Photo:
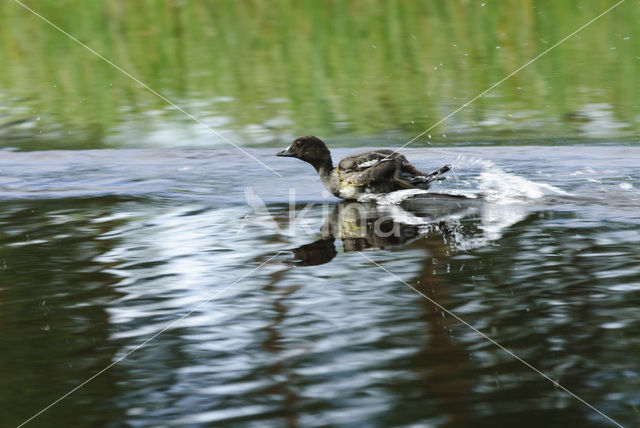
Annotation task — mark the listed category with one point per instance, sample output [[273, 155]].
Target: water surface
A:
[[100, 250]]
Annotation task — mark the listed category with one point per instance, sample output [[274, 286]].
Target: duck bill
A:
[[286, 154]]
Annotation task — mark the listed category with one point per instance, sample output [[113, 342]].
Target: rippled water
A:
[[291, 322]]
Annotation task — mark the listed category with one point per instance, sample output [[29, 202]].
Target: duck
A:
[[376, 171]]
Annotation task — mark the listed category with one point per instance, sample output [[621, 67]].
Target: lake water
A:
[[153, 275], [103, 249]]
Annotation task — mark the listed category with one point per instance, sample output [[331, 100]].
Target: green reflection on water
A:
[[269, 70]]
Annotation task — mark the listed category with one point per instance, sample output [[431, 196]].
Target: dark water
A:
[[100, 250]]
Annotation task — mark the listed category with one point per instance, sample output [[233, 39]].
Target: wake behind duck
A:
[[373, 172]]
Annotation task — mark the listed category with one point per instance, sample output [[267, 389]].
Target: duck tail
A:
[[436, 175], [424, 181]]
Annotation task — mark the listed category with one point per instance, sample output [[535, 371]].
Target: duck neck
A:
[[323, 167], [328, 175]]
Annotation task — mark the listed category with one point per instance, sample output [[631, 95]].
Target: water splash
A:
[[500, 187], [477, 178]]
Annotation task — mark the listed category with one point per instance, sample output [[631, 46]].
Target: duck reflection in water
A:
[[368, 226]]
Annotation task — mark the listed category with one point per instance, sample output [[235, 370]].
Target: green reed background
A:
[[263, 71]]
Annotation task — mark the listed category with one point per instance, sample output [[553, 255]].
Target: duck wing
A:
[[370, 167], [386, 165], [362, 161]]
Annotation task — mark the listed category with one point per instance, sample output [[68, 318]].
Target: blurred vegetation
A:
[[266, 70]]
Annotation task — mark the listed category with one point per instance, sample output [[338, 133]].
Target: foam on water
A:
[[393, 198], [500, 187]]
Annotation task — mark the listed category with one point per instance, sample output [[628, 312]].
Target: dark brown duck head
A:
[[309, 149]]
